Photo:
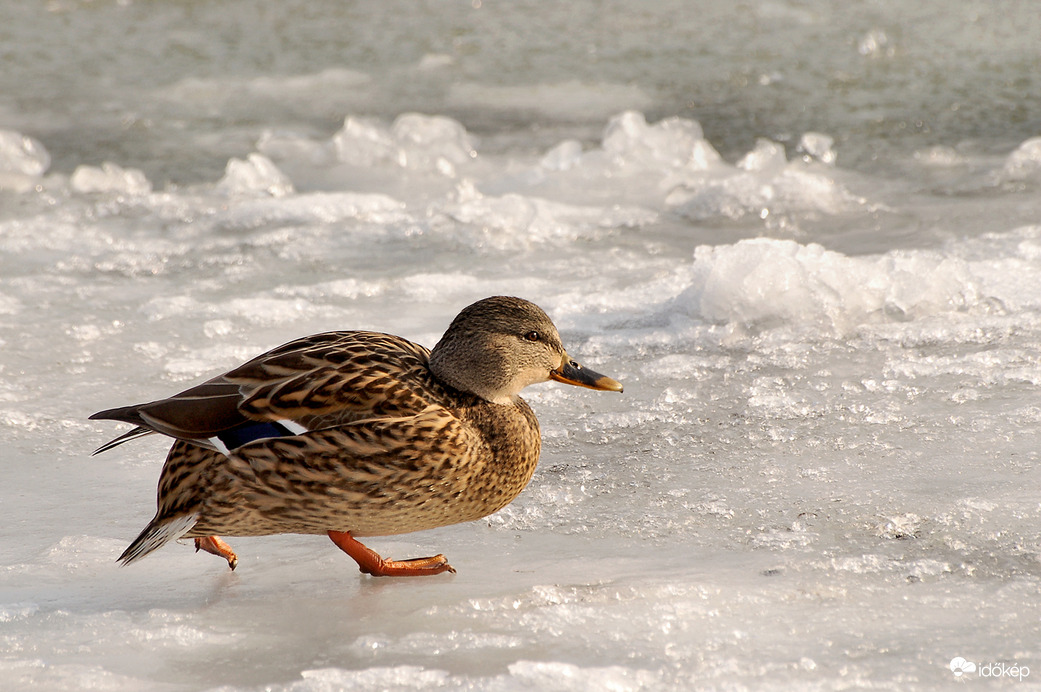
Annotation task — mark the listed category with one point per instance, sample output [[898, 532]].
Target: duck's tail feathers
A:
[[158, 533], [125, 437]]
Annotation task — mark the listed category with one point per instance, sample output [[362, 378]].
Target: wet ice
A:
[[822, 473]]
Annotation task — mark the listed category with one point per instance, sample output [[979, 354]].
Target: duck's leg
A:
[[370, 562], [213, 544]]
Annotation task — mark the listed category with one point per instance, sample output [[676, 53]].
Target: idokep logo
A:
[[965, 669]]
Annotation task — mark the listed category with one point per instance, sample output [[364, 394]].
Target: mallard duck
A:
[[356, 433]]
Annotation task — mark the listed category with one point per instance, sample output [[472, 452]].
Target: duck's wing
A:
[[307, 384], [373, 477], [377, 445]]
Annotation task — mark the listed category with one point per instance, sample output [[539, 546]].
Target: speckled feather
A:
[[372, 477]]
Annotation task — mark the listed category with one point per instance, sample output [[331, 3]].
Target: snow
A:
[[110, 177], [814, 264]]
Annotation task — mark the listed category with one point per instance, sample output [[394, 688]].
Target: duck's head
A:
[[498, 346]]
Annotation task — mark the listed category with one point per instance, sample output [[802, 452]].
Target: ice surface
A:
[[565, 100], [814, 262]]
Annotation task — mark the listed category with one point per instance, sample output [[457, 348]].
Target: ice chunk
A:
[[109, 177], [10, 612], [815, 146], [23, 155], [763, 192], [939, 156], [22, 161], [767, 157], [766, 185], [762, 283], [565, 155], [636, 162], [875, 44], [257, 175], [426, 138], [673, 142], [523, 221], [900, 526], [1024, 162], [364, 142], [671, 162], [414, 141], [290, 145]]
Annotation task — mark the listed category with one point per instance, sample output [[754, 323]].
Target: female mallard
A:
[[357, 434]]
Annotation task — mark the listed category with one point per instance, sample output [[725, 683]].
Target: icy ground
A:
[[807, 240]]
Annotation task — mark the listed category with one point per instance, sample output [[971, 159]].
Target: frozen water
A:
[[807, 237], [1024, 161], [22, 161], [256, 175], [109, 177]]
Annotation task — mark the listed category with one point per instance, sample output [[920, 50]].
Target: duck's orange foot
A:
[[214, 545], [370, 562]]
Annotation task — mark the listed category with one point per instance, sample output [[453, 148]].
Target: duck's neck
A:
[[489, 380]]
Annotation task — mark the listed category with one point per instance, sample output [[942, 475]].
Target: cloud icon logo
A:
[[959, 666]]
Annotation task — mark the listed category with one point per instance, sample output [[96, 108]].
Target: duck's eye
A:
[[532, 336]]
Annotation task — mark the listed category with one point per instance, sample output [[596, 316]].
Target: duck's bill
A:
[[573, 373]]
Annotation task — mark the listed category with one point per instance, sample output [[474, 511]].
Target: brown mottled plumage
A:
[[357, 434]]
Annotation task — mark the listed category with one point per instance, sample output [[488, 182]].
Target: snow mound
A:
[[22, 161], [109, 178], [413, 141], [763, 283], [256, 176]]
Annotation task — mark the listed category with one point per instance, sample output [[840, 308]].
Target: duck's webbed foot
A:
[[370, 562], [214, 545]]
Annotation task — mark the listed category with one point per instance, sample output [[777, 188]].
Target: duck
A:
[[356, 434]]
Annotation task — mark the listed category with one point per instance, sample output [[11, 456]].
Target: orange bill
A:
[[570, 372]]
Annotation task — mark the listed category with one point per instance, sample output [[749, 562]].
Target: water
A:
[[807, 239]]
